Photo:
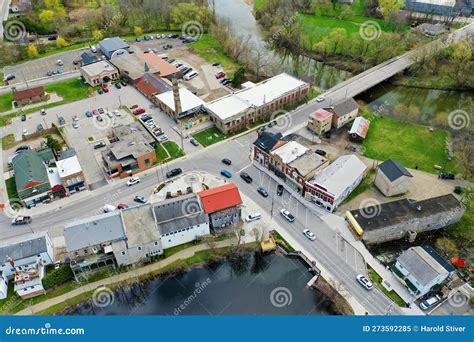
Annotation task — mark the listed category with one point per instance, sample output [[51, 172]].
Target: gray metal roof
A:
[[345, 106], [70, 152], [94, 231], [113, 44], [267, 140], [22, 249], [394, 170]]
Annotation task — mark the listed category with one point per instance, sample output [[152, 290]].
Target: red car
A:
[[138, 111], [95, 112], [105, 89], [122, 206], [134, 106], [220, 75]]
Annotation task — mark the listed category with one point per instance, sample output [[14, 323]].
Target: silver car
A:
[[362, 279]]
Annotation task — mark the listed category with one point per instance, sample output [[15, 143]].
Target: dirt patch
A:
[[338, 302]]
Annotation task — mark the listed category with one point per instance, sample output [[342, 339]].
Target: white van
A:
[[253, 217], [109, 208], [190, 76], [93, 49]]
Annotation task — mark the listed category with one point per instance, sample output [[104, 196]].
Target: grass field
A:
[[6, 102], [173, 149], [412, 145], [11, 188], [377, 279], [209, 136]]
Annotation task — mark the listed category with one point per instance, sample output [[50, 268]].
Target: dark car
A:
[[262, 191], [174, 172], [447, 176], [9, 77], [39, 127], [328, 134], [53, 37], [88, 114], [99, 118], [226, 174], [186, 71], [216, 64], [226, 161], [279, 190], [321, 152], [194, 142], [117, 85], [245, 176], [22, 148], [61, 120], [123, 83], [23, 117], [100, 91]]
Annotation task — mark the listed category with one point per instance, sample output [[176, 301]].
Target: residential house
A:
[[98, 73], [359, 129], [222, 204], [392, 179], [29, 95], [421, 268], [70, 172], [265, 143], [114, 47], [404, 218], [319, 122], [344, 111], [330, 187]]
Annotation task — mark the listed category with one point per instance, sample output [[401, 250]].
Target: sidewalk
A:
[[189, 252]]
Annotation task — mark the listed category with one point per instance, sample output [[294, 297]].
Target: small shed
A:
[[392, 178]]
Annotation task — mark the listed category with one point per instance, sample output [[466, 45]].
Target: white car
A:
[[362, 279], [253, 217], [133, 180], [190, 76], [25, 132], [286, 214], [108, 208], [110, 115], [93, 49], [117, 113], [59, 62], [430, 302], [162, 138], [309, 234], [75, 125], [320, 98]]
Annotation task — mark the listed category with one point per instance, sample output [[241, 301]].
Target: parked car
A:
[[75, 125], [286, 214], [101, 110], [43, 111], [20, 220], [93, 49], [22, 148], [320, 98], [226, 161], [23, 117], [61, 120], [140, 199], [190, 76], [226, 82], [134, 106], [362, 279], [327, 135], [245, 176], [321, 152], [309, 234], [9, 77], [174, 172], [216, 64], [430, 302], [162, 138], [194, 142], [447, 176], [117, 85], [220, 75], [108, 208], [226, 174], [100, 91], [253, 217], [262, 191], [75, 118], [105, 89], [133, 180], [49, 73], [59, 62], [123, 83], [145, 117], [110, 115], [95, 112], [279, 189], [98, 145], [117, 113], [88, 114], [138, 111], [187, 70], [122, 206], [99, 118], [39, 127]]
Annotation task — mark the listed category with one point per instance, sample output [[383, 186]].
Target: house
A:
[[319, 122], [150, 85], [23, 260], [190, 103], [404, 218], [256, 102], [31, 175], [359, 129], [222, 204], [88, 58], [392, 179], [70, 172], [29, 95], [440, 7], [3, 286], [420, 269], [264, 144], [296, 164], [180, 220], [114, 47], [343, 111], [98, 73], [330, 187]]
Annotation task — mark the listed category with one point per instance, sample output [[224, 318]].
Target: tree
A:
[[97, 35], [390, 7], [32, 51], [53, 143], [46, 18], [239, 77], [61, 42], [138, 31], [187, 12]]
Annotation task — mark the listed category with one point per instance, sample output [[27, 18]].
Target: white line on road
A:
[[245, 167]]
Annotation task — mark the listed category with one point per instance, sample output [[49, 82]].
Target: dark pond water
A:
[[255, 285]]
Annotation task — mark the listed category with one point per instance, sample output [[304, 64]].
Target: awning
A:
[[353, 223]]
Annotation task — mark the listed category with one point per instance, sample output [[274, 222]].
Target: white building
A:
[[98, 73], [331, 186], [3, 286], [190, 103]]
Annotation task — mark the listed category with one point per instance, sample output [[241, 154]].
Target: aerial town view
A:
[[215, 158]]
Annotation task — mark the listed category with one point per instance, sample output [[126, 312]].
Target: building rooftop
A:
[[360, 127], [267, 140], [189, 101], [321, 114], [22, 247], [290, 151], [308, 163], [404, 210], [157, 63], [133, 66], [393, 170], [140, 226], [448, 3], [68, 166], [94, 231], [113, 44], [219, 198], [344, 106], [150, 85], [97, 68], [228, 106], [30, 170], [133, 130], [341, 174], [424, 264], [88, 58], [129, 146], [28, 93]]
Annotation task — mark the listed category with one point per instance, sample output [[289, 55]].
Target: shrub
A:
[[57, 277]]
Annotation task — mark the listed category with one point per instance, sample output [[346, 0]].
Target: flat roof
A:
[[133, 66], [227, 106], [341, 174], [97, 68], [308, 162], [140, 226], [129, 147], [68, 166], [321, 114], [189, 101], [289, 152], [448, 3]]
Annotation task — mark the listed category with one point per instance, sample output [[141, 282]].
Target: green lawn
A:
[[209, 136], [11, 188], [412, 145], [6, 102], [377, 279], [173, 149], [463, 232]]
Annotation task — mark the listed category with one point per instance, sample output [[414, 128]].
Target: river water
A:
[[258, 285]]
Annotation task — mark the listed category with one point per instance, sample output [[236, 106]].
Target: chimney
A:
[[177, 100]]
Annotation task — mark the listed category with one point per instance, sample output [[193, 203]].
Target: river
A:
[[259, 285]]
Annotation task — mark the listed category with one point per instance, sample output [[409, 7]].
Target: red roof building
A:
[[29, 95], [220, 198]]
